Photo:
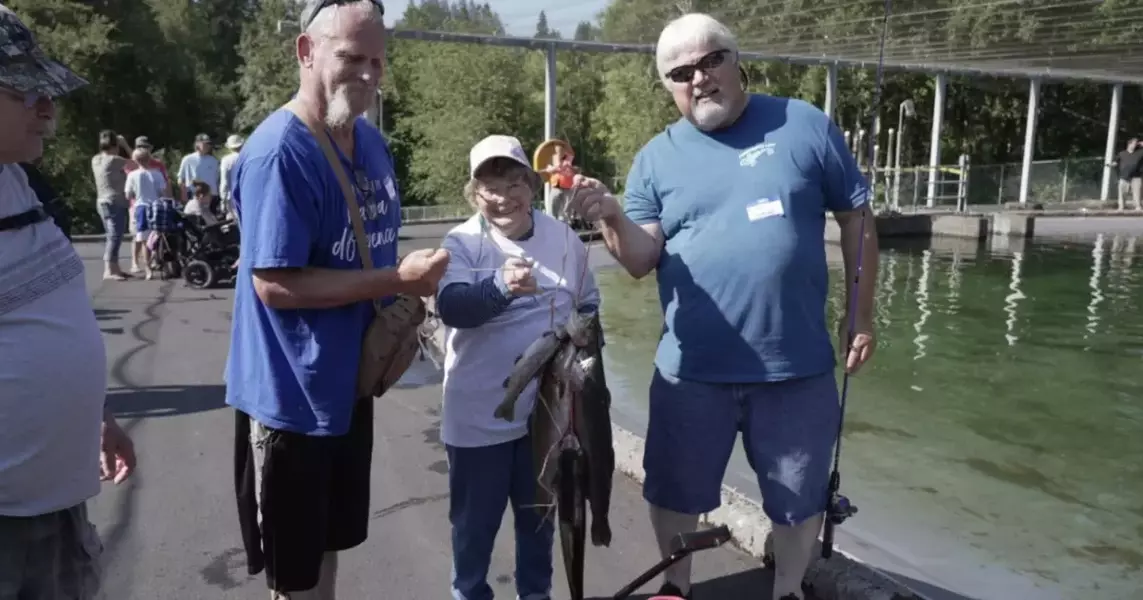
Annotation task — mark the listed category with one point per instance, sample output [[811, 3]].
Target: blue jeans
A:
[[115, 225], [788, 431], [481, 482]]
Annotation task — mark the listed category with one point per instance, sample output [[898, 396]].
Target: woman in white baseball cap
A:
[[513, 274]]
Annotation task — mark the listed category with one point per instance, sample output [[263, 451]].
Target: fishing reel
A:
[[839, 509]]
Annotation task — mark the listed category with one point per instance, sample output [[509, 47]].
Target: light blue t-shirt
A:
[[743, 278], [297, 369], [203, 167]]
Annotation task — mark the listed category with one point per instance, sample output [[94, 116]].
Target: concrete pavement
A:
[[171, 532]]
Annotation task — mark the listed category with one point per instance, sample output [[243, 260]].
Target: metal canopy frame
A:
[[1052, 69], [1036, 77], [1044, 73]]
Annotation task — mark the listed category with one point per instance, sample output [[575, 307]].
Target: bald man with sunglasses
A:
[[728, 207]]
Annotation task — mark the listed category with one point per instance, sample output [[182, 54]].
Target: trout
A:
[[572, 449]]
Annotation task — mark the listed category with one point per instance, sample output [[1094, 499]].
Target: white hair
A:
[[140, 154], [691, 32], [325, 20], [339, 113]]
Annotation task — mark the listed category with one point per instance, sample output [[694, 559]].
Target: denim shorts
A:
[[788, 431], [50, 557]]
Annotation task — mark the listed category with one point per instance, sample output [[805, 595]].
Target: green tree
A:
[[268, 69]]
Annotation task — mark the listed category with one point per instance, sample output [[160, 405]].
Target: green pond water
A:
[[994, 444]]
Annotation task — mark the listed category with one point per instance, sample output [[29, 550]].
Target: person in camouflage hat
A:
[[24, 65], [59, 439], [27, 75]]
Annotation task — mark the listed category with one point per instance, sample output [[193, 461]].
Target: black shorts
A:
[[314, 498]]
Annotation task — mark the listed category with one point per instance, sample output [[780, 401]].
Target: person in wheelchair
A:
[[200, 204], [213, 231]]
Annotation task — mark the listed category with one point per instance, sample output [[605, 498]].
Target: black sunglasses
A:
[[686, 73], [307, 19]]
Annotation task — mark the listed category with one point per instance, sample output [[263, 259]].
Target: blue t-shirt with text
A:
[[742, 278], [296, 370]]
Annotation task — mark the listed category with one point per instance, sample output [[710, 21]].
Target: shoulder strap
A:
[[347, 192]]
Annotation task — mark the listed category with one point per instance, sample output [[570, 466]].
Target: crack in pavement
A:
[[402, 505]]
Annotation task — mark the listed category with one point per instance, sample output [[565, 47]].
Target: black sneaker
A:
[[670, 589], [788, 597]]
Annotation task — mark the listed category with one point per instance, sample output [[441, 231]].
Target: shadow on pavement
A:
[[109, 314], [165, 401], [746, 585]]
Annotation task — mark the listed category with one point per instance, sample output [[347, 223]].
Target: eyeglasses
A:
[[515, 190], [686, 73], [326, 3], [29, 99]]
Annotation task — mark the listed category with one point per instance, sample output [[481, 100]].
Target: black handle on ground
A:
[[684, 545]]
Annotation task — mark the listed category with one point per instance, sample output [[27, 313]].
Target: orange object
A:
[[544, 159]]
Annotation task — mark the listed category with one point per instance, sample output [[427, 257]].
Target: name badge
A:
[[764, 208]]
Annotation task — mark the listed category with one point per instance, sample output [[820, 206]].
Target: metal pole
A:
[[1064, 186], [831, 91], [897, 160], [373, 113], [1029, 139], [962, 184], [1000, 186], [1112, 132], [549, 112], [935, 140], [891, 139], [875, 168]]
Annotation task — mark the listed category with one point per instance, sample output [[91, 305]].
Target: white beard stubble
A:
[[339, 113]]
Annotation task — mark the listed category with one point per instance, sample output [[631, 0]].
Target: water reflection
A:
[[910, 269], [1011, 301], [955, 266], [922, 304], [1094, 284], [992, 426]]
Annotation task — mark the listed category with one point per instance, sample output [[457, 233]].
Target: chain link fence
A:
[[1064, 183]]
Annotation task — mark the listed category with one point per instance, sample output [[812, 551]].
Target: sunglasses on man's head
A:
[[686, 73], [327, 3]]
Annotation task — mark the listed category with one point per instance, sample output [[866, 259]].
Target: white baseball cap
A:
[[496, 146]]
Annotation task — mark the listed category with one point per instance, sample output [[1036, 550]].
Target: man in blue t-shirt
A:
[[728, 205], [303, 301]]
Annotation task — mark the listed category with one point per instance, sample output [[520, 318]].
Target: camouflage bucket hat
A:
[[23, 65]]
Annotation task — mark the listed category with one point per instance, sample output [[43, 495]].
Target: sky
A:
[[519, 16]]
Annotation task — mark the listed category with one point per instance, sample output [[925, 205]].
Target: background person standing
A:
[[200, 165], [109, 168], [144, 143], [226, 178], [1129, 164]]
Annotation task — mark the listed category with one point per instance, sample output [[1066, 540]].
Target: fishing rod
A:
[[838, 507]]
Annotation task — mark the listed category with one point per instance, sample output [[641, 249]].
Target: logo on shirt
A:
[[373, 205], [749, 157]]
